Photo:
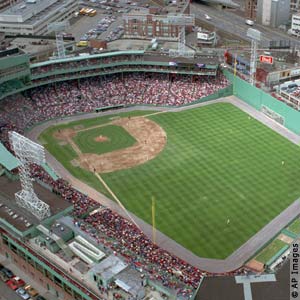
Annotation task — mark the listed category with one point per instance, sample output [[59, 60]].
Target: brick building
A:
[[250, 9], [149, 26], [4, 3]]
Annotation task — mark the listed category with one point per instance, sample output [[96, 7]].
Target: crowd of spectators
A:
[[112, 230], [71, 97]]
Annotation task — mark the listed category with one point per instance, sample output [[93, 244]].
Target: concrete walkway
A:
[[237, 258], [247, 280]]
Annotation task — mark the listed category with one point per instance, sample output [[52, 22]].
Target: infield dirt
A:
[[150, 141]]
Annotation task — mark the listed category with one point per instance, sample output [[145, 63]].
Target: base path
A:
[[237, 258], [150, 141]]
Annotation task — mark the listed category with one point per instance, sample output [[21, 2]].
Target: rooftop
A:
[[130, 281], [31, 13], [109, 267], [7, 159], [25, 9], [19, 217], [10, 52]]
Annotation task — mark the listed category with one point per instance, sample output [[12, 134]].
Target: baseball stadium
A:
[[151, 175]]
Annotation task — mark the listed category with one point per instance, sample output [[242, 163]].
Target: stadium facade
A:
[[83, 66]]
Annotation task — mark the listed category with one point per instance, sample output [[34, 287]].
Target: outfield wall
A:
[[258, 98]]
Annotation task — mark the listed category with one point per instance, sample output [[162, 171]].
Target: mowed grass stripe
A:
[[218, 165], [295, 227]]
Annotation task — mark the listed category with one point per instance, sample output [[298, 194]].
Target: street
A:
[[7, 293], [235, 24]]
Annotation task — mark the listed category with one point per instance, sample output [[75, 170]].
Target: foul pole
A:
[[153, 222]]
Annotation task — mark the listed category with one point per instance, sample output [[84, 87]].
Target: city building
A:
[[295, 26], [4, 3], [156, 24], [32, 17], [206, 37], [150, 26], [250, 9], [295, 5], [273, 12]]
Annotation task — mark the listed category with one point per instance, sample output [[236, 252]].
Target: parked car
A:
[[30, 290], [15, 283], [249, 22], [22, 293], [40, 298], [7, 272], [3, 276]]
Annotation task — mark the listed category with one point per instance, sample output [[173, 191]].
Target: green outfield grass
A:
[[118, 138], [270, 251], [218, 181], [295, 227]]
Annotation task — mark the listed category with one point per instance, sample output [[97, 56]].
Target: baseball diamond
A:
[[217, 181]]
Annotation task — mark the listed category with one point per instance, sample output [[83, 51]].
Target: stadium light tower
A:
[[182, 21], [255, 37], [28, 152], [58, 28]]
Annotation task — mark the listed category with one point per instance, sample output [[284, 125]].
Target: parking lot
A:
[[102, 26], [107, 24], [7, 293], [83, 24]]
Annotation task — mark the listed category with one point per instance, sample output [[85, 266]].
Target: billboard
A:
[[266, 59], [295, 72]]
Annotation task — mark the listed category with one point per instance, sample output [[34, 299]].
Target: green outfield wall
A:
[[257, 98]]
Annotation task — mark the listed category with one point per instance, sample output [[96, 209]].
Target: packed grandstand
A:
[[70, 97]]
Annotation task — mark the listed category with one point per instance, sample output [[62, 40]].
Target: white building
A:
[[273, 12], [31, 17], [206, 37], [295, 29]]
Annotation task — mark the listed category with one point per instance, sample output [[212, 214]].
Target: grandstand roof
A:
[[211, 62], [82, 57], [7, 160]]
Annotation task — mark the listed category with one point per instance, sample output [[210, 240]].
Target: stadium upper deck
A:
[[105, 63]]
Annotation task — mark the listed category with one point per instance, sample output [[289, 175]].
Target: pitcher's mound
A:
[[101, 138]]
